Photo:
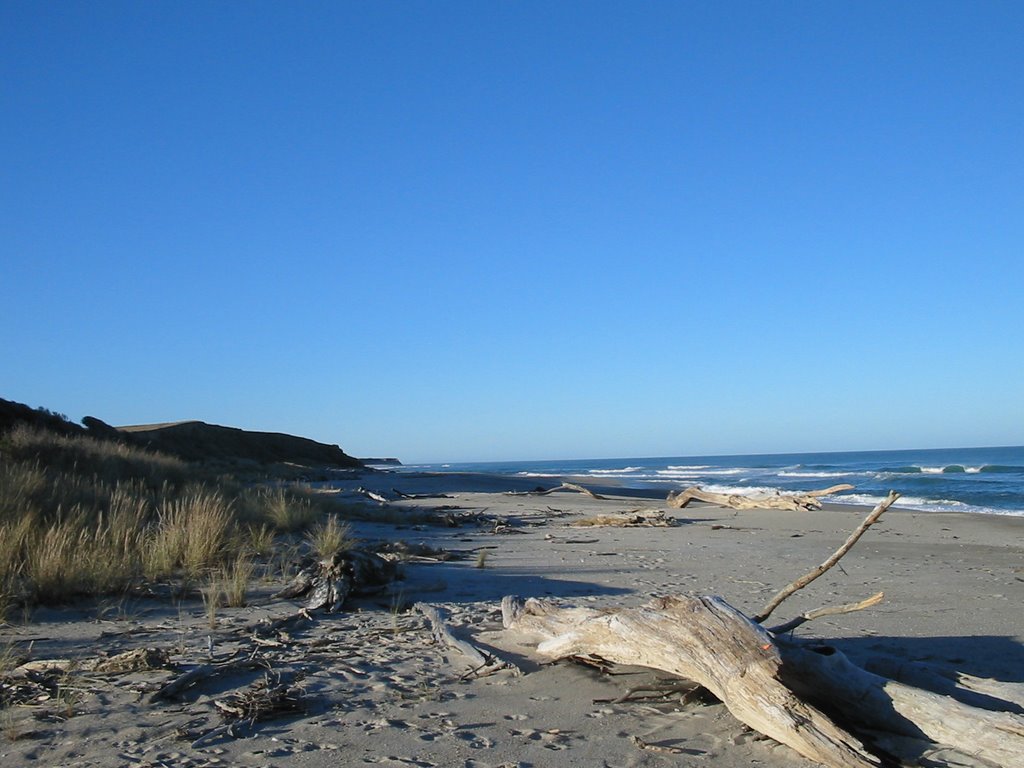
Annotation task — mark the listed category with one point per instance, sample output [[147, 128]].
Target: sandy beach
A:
[[372, 686]]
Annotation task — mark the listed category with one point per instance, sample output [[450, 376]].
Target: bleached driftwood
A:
[[418, 496], [776, 686], [638, 518], [562, 487], [480, 663], [380, 498], [701, 639], [800, 502]]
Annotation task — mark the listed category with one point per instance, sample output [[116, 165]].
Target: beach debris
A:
[[417, 496], [377, 496], [562, 487], [481, 663], [135, 660], [405, 552], [783, 687], [799, 502], [641, 744], [29, 686], [201, 673], [327, 583], [637, 518], [272, 696]]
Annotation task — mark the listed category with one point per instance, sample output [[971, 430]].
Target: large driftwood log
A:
[[800, 502], [823, 674], [702, 639], [776, 686]]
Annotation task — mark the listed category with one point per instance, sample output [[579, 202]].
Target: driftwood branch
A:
[[834, 558], [178, 685], [801, 502], [562, 487], [829, 610], [372, 495], [481, 663], [417, 496]]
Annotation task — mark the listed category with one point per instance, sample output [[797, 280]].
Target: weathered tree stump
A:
[[328, 583]]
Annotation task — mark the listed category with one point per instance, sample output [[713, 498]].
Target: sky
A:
[[456, 231]]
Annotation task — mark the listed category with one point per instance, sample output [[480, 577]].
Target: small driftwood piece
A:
[[562, 487], [328, 583], [828, 610], [380, 498], [417, 496], [134, 660], [799, 502], [481, 664], [653, 518]]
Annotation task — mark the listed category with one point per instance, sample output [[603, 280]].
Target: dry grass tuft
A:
[[329, 538]]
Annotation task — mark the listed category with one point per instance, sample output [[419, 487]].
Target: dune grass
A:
[[328, 538], [82, 516]]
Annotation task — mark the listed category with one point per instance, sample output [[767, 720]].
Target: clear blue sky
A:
[[501, 230]]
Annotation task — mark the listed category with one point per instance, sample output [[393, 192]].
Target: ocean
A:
[[982, 480]]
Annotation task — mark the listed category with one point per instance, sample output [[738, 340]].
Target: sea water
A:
[[984, 480]]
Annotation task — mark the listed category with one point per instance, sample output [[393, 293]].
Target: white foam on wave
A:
[[623, 471], [685, 467], [536, 474], [686, 472], [921, 504], [802, 473]]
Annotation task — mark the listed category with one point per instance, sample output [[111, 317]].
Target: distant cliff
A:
[[199, 441], [190, 440], [389, 462]]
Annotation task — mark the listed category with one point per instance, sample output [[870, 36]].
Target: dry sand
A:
[[376, 688]]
